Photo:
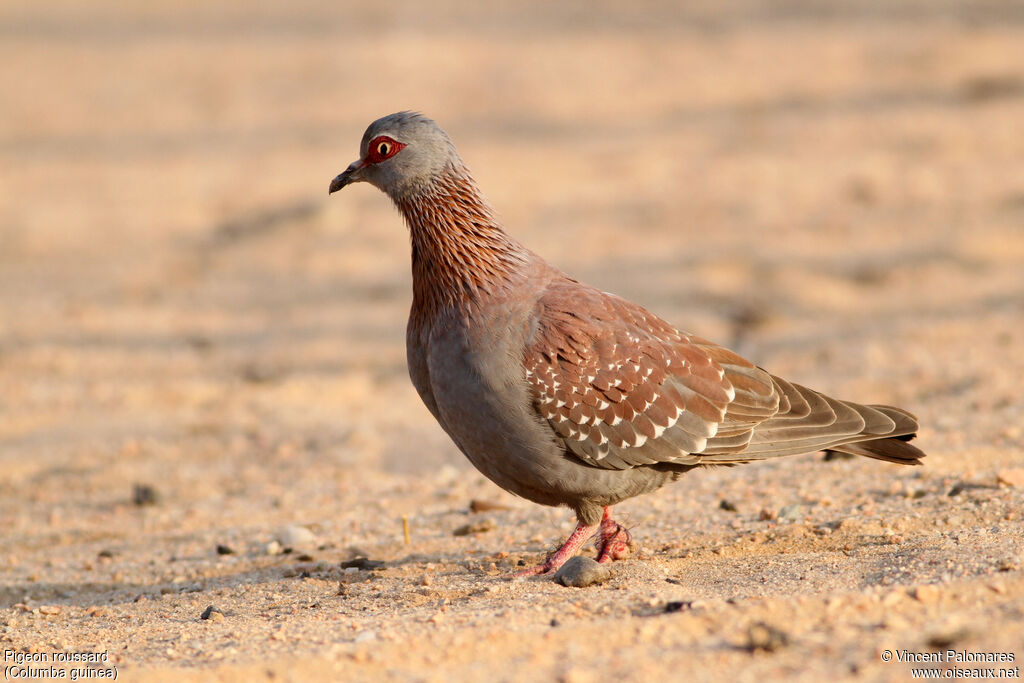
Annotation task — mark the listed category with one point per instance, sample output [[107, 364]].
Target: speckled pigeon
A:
[[567, 395]]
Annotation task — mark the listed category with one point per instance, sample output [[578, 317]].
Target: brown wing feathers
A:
[[623, 388]]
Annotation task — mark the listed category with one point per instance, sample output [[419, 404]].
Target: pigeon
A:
[[566, 395]]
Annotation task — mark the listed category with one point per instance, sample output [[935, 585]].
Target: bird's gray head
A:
[[400, 154]]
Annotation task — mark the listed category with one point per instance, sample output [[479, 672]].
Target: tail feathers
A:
[[892, 449], [808, 421]]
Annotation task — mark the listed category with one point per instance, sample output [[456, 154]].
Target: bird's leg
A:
[[572, 545], [614, 542]]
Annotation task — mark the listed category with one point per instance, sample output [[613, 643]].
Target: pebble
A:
[[926, 593], [762, 636], [790, 513], [272, 548], [726, 505], [362, 563], [144, 494], [1012, 477], [580, 572], [480, 527], [224, 549], [295, 536], [947, 635], [476, 506], [366, 637], [1007, 564], [212, 613]]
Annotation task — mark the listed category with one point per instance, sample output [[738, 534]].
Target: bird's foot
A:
[[614, 542], [555, 560]]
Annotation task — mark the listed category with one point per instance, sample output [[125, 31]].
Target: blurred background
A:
[[836, 189]]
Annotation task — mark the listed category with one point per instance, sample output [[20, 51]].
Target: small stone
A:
[[49, 609], [762, 636], [224, 549], [726, 505], [1007, 564], [273, 548], [212, 613], [295, 536], [926, 593], [790, 513], [1011, 477], [362, 563], [766, 515], [477, 506], [580, 572], [947, 636], [144, 494], [479, 527], [957, 489], [366, 637]]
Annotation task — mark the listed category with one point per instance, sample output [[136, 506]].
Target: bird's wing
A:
[[621, 387]]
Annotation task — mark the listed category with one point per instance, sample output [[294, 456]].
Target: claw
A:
[[572, 545], [614, 542]]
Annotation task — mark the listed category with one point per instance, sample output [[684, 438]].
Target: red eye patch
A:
[[381, 148]]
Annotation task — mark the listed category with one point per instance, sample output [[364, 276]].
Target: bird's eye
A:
[[382, 148]]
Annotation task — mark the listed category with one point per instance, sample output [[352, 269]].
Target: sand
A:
[[199, 349]]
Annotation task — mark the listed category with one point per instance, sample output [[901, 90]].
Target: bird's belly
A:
[[482, 401]]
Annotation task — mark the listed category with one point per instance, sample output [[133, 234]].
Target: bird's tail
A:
[[892, 448], [808, 421]]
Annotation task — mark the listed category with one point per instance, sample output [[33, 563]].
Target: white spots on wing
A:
[[601, 405], [559, 403]]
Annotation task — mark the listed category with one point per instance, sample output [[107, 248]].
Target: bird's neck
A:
[[460, 255]]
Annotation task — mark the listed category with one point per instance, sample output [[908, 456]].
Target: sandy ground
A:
[[834, 189]]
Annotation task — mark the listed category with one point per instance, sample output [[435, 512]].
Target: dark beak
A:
[[349, 176]]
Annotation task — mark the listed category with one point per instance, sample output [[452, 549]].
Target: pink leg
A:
[[614, 542], [572, 545]]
